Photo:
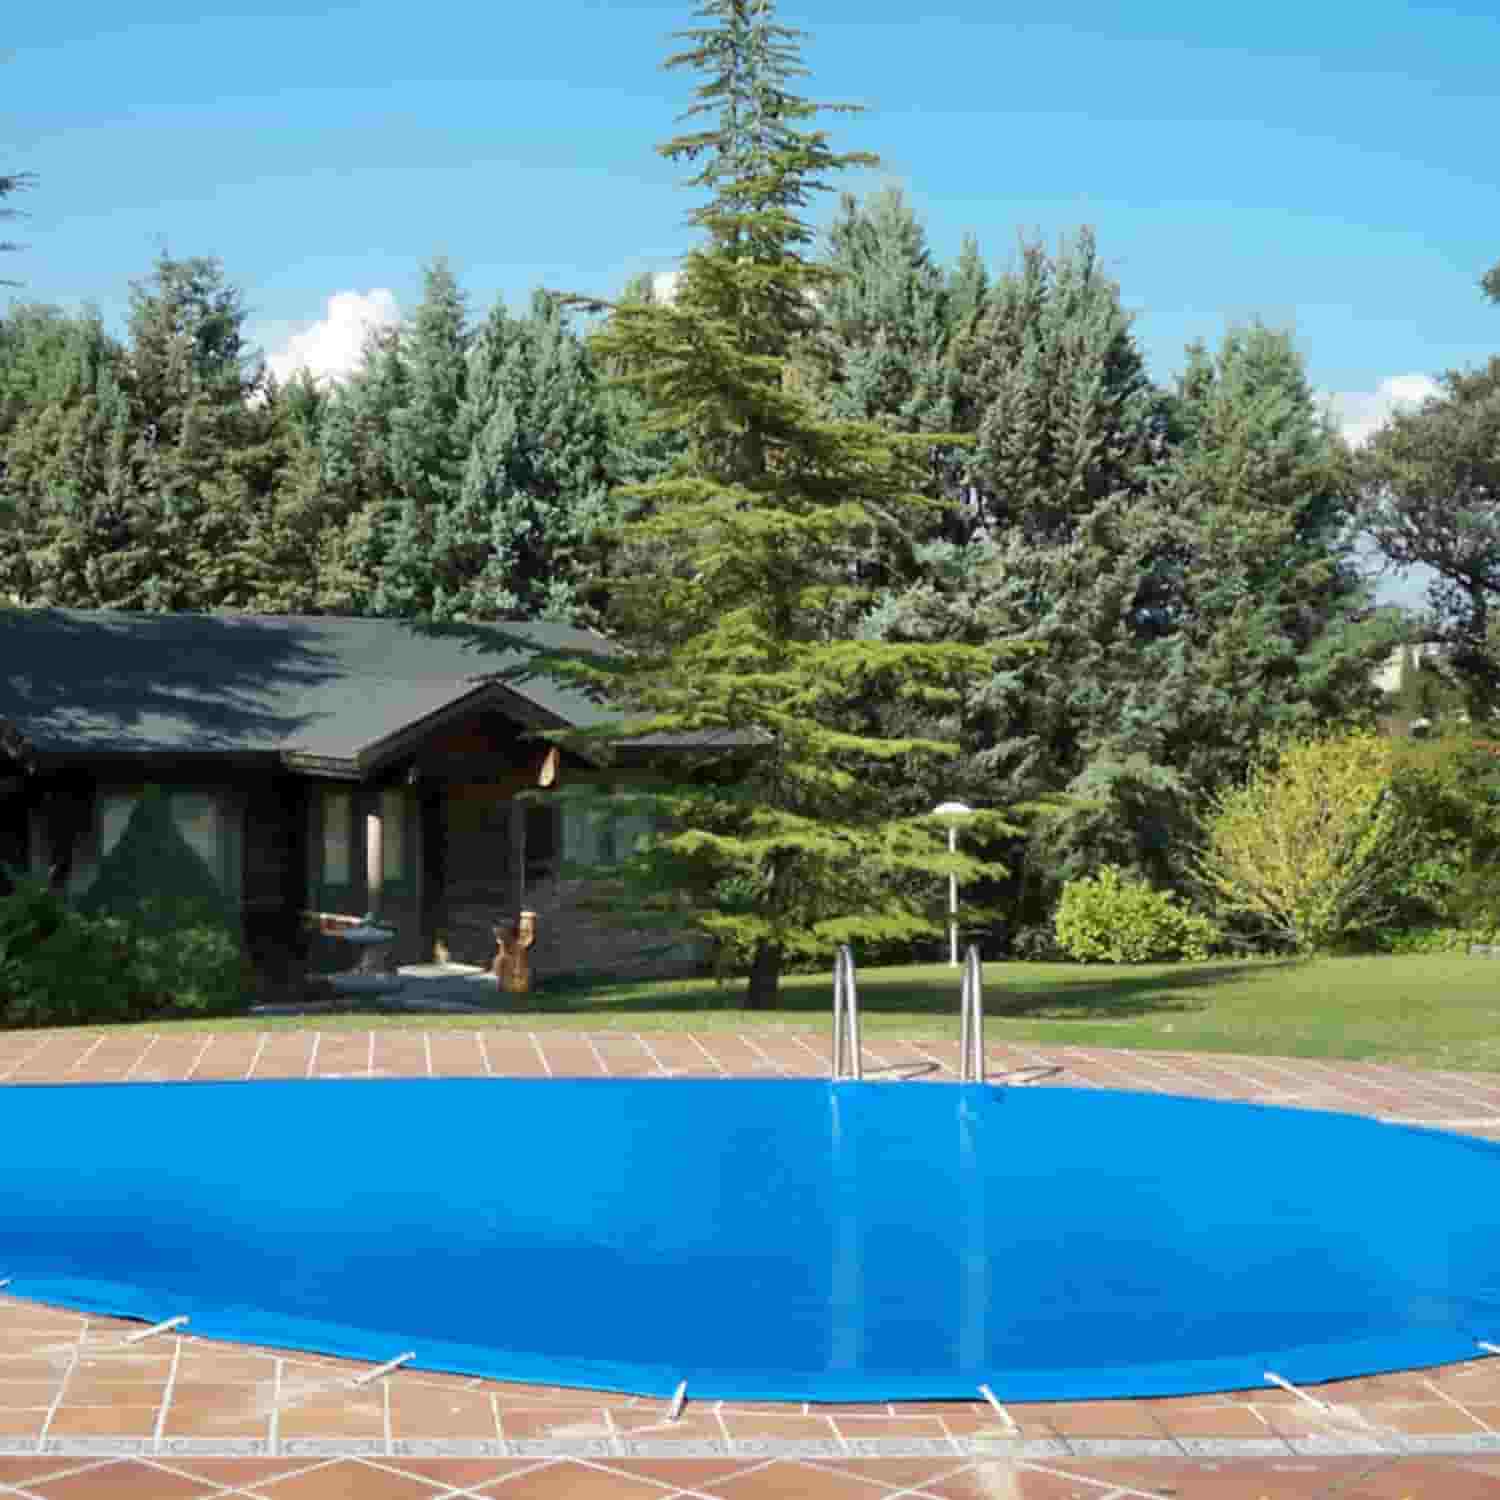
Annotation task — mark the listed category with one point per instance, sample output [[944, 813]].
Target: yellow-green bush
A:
[[1313, 846], [1111, 918]]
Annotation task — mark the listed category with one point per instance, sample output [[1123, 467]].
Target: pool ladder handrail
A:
[[971, 1023], [846, 1054]]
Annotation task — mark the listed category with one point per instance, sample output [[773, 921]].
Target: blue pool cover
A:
[[761, 1239]]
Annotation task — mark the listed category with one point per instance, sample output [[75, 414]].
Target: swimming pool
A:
[[794, 1240]]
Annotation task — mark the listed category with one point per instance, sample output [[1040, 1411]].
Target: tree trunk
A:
[[765, 977]]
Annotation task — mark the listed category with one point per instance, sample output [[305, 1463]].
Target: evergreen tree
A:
[[535, 485], [428, 447], [64, 422], [640, 453], [884, 324], [762, 515], [882, 356], [355, 464], [172, 529], [1260, 622], [152, 476], [1059, 466], [968, 287]]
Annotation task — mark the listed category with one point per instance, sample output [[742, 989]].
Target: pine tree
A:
[[355, 464], [762, 516], [535, 484], [63, 419], [428, 447], [884, 324], [174, 526], [1061, 554], [640, 452], [968, 287], [1262, 613]]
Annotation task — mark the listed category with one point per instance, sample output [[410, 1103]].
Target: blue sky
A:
[[1328, 168]]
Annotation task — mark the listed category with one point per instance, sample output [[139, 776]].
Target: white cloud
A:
[[1360, 413], [330, 348], [664, 286]]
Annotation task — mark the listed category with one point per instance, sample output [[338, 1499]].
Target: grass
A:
[[1431, 1011]]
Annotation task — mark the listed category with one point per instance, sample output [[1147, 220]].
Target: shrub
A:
[[1450, 788], [195, 970], [60, 967], [1111, 918], [1313, 845], [1430, 939], [186, 942], [1036, 944]]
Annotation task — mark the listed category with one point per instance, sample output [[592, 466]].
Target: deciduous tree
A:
[[1311, 845], [1432, 496]]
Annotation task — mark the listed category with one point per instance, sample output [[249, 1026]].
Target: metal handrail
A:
[[971, 1025], [846, 1054]]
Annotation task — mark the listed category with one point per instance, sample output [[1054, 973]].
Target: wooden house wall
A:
[[274, 875], [15, 828]]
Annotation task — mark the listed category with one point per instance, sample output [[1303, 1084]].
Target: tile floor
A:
[[94, 1407]]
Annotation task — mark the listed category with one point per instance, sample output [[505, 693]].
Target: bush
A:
[[1110, 918], [1430, 939], [1314, 845], [59, 967], [1450, 788], [193, 970], [1036, 944], [185, 934]]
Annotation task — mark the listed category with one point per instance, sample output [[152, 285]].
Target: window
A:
[[541, 838], [200, 816], [392, 833], [115, 808], [338, 816], [599, 832], [196, 817], [606, 852]]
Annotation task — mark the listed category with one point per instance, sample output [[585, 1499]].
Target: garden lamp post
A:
[[952, 811]]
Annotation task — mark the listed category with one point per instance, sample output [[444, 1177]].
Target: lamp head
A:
[[952, 810]]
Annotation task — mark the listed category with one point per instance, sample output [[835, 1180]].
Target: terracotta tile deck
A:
[[85, 1415]]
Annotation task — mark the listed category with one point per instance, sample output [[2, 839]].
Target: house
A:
[[1419, 695], [326, 764]]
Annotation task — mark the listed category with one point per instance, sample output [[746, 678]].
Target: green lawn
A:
[[1426, 1011]]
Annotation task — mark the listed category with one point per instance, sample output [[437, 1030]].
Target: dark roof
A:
[[315, 692]]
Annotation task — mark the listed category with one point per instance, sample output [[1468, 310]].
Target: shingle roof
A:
[[303, 688]]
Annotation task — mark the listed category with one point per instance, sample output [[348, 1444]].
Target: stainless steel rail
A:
[[846, 1056], [847, 1062], [971, 1026]]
